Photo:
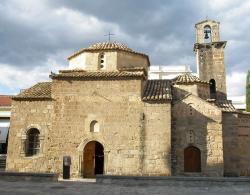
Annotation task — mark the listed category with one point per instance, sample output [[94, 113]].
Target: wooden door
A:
[[93, 159], [89, 160], [192, 159]]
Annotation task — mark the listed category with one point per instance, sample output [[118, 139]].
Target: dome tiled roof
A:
[[109, 45], [188, 78], [106, 46]]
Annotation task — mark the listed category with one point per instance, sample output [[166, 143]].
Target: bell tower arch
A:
[[209, 52]]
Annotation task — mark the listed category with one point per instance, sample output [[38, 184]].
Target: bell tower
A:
[[210, 57]]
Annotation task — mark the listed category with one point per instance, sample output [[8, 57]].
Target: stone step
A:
[[172, 180], [27, 176]]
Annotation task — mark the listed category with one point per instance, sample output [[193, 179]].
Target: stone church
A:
[[111, 119]]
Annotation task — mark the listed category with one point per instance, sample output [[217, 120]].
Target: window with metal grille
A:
[[32, 142]]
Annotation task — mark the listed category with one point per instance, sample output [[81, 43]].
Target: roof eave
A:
[[32, 98], [98, 50]]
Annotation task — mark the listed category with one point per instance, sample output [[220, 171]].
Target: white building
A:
[[239, 102], [167, 72], [172, 71], [5, 110]]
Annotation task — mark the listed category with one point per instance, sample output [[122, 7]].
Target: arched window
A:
[[94, 126], [102, 62], [32, 142], [192, 159], [212, 88], [207, 34]]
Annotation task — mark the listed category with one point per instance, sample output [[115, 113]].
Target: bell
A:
[[206, 35]]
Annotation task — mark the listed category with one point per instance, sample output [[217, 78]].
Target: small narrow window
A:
[[102, 61], [94, 126], [190, 109], [32, 142], [190, 136]]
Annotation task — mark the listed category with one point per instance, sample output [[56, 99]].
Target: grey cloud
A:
[[163, 29]]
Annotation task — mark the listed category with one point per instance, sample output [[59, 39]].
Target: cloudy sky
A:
[[36, 37]]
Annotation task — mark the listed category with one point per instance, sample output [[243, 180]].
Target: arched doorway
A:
[[212, 84], [192, 159], [93, 159]]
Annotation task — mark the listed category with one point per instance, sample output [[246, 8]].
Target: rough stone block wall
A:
[[244, 143], [157, 139], [126, 60], [26, 115], [203, 91], [211, 66], [115, 105], [200, 90], [135, 135], [230, 144], [197, 123]]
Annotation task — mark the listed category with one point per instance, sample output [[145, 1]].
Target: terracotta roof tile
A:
[[109, 45], [104, 46], [96, 75], [157, 90], [5, 100], [38, 91], [188, 78], [225, 105]]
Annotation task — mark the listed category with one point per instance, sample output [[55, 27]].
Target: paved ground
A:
[[61, 188]]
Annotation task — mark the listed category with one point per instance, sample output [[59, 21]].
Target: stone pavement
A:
[[72, 188]]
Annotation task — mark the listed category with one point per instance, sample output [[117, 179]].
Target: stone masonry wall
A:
[[230, 144], [116, 105], [157, 139], [26, 115], [128, 60], [114, 60], [135, 135], [244, 143], [197, 123], [200, 90], [211, 66]]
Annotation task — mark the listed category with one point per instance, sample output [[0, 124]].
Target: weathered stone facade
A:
[[109, 118], [210, 56]]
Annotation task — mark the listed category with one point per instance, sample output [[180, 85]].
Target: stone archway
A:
[[192, 159], [93, 159]]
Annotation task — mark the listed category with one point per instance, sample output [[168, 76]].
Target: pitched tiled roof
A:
[[5, 100], [157, 90], [105, 46], [188, 78], [36, 92], [87, 75], [225, 105]]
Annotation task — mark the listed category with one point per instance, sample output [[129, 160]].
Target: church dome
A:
[[188, 78], [102, 46], [109, 45]]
